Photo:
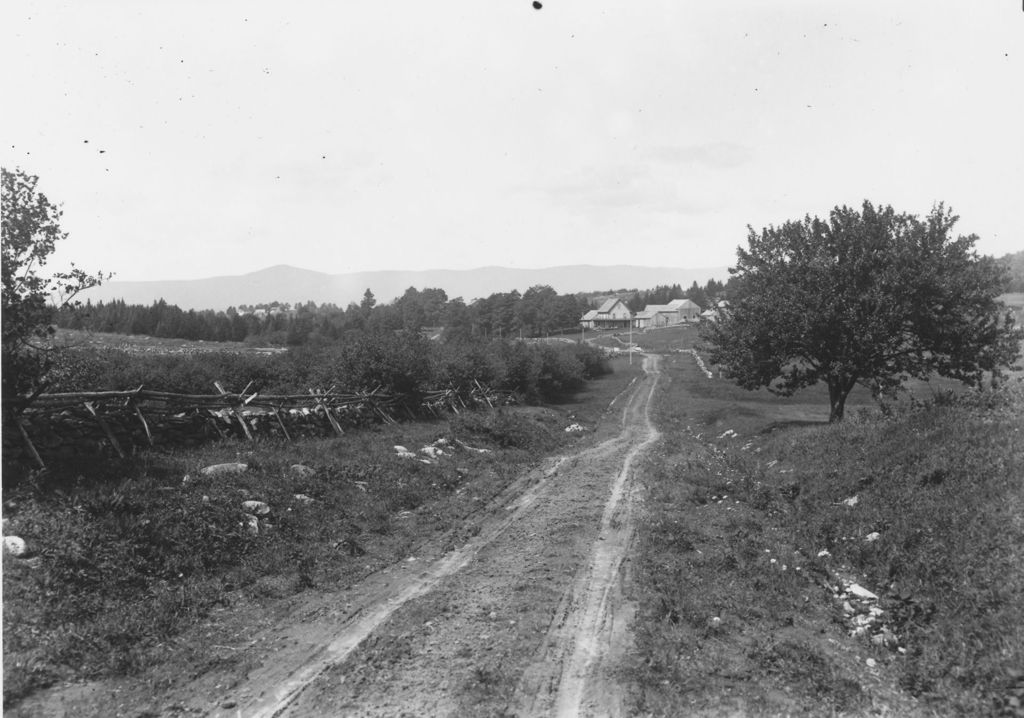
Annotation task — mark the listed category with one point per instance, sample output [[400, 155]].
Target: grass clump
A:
[[940, 486], [750, 517], [121, 566]]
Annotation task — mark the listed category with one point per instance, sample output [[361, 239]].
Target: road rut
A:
[[527, 618]]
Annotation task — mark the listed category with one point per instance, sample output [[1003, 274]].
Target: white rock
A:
[[847, 607], [852, 501], [432, 451], [255, 508], [224, 469], [15, 546], [467, 447], [872, 537], [574, 429], [823, 553], [302, 470], [252, 524], [861, 592], [303, 499], [871, 662]]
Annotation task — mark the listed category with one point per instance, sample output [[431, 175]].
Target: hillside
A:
[[290, 284]]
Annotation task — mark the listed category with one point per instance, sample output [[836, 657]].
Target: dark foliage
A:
[[871, 297], [30, 233]]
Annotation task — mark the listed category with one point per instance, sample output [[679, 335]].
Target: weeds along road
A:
[[527, 617]]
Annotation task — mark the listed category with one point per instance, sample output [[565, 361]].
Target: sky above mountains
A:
[[194, 139]]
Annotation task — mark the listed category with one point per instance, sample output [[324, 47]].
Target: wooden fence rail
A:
[[76, 423]]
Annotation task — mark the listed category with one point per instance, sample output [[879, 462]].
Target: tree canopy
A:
[[871, 296], [30, 232]]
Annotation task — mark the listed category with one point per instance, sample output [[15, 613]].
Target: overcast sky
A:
[[191, 139]]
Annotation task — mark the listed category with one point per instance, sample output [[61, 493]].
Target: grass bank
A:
[[126, 557], [762, 523]]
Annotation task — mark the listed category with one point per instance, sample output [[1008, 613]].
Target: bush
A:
[[595, 361], [400, 363], [561, 373]]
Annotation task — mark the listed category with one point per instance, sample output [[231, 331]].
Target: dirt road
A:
[[528, 617]]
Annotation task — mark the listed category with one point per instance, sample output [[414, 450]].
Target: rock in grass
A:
[[252, 524], [15, 546], [861, 592], [224, 469], [303, 499], [256, 508], [302, 471]]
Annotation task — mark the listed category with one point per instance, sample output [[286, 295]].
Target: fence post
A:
[[106, 430], [231, 410], [28, 443], [327, 410]]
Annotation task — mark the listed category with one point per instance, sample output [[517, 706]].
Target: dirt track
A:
[[522, 611], [526, 618]]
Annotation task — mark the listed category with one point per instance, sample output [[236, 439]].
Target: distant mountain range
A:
[[290, 284]]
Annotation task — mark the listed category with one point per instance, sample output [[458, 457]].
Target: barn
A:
[[686, 309], [665, 315], [612, 314]]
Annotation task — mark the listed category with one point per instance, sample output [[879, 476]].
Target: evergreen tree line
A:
[[537, 312]]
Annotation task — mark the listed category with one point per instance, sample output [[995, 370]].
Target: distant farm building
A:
[[678, 311], [612, 314], [588, 319], [713, 313]]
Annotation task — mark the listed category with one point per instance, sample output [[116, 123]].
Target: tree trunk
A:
[[838, 389]]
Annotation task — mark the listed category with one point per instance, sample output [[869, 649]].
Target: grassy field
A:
[[757, 516], [126, 557], [141, 344]]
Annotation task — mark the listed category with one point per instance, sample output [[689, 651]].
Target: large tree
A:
[[871, 297], [30, 232]]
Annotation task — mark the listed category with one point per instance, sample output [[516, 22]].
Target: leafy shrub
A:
[[397, 362], [561, 373], [595, 361]]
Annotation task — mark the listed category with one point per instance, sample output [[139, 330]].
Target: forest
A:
[[539, 311]]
